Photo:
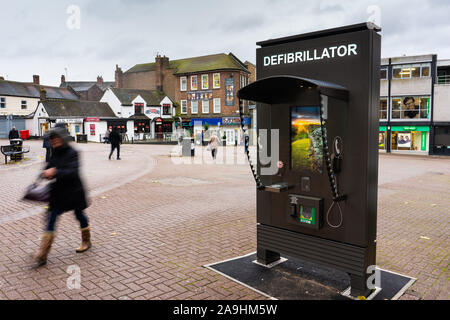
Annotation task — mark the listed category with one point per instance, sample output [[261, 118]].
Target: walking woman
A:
[[67, 193], [214, 144]]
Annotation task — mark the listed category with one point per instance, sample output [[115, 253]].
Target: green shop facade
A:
[[404, 138]]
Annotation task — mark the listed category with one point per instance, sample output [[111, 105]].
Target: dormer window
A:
[[138, 108]]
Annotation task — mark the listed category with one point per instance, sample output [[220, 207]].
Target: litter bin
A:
[[81, 138], [188, 147], [24, 134], [17, 145]]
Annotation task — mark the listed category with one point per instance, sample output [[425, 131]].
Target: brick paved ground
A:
[[155, 224]]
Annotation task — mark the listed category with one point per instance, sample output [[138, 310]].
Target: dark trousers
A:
[[53, 216], [214, 153], [113, 147]]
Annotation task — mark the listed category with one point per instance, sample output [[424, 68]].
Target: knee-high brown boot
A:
[[46, 243], [85, 240]]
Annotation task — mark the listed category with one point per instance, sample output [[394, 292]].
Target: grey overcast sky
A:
[[36, 38]]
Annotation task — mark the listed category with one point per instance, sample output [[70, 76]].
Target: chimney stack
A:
[[119, 77], [43, 94], [35, 79], [162, 63], [63, 79], [99, 80]]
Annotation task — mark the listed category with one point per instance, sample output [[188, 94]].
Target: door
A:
[[230, 137]]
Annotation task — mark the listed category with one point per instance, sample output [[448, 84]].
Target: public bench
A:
[[11, 151]]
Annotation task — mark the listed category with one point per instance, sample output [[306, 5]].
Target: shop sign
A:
[[158, 121], [69, 120], [153, 110], [92, 129], [410, 128], [382, 129], [423, 144], [231, 120], [92, 119]]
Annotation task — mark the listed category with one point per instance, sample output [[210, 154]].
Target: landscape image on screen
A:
[[306, 139]]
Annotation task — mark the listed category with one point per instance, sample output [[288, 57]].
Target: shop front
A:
[[163, 128], [233, 130], [410, 139], [383, 138], [119, 124], [74, 125]]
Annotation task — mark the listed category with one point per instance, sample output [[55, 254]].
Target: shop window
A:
[[409, 140], [2, 103], [24, 105], [382, 140], [205, 106], [194, 106], [383, 108], [205, 80], [216, 81], [184, 106], [216, 105], [194, 82], [410, 108], [183, 83], [383, 73]]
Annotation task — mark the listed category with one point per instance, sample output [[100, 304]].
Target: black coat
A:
[[115, 138], [13, 134], [67, 192]]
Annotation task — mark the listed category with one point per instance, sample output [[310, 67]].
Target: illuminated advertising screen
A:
[[306, 139]]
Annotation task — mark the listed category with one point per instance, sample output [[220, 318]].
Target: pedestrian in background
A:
[[66, 192], [106, 138], [115, 139], [48, 148], [13, 133], [214, 144]]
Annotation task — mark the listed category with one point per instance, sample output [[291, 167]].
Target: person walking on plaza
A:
[[107, 133], [66, 193], [13, 134], [214, 144], [48, 148], [115, 139]]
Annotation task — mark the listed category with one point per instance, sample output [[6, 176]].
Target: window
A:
[[216, 81], [24, 104], [383, 73], [193, 82], [205, 106], [184, 106], [183, 83], [2, 103], [166, 110], [411, 71], [410, 108], [194, 106], [138, 108], [216, 102], [383, 108], [205, 80]]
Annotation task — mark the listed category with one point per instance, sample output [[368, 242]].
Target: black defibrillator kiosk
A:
[[317, 98]]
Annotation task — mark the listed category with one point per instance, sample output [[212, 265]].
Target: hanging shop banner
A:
[[423, 145], [92, 127], [229, 92], [201, 95], [404, 140]]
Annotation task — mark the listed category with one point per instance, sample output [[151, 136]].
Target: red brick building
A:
[[88, 90], [203, 88]]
